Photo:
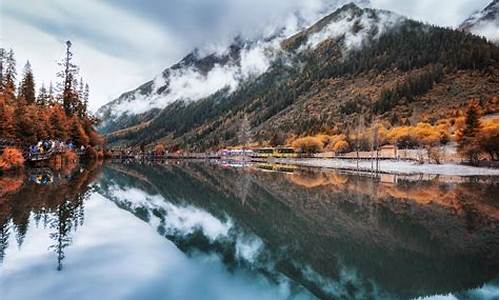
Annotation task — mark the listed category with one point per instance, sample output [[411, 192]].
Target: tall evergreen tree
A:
[[27, 86], [69, 95], [86, 95], [2, 66], [468, 137], [50, 94], [9, 81], [43, 96]]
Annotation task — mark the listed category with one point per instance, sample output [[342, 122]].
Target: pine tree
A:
[[81, 89], [69, 95], [468, 137], [43, 96], [85, 100], [51, 97], [2, 64], [27, 86], [9, 82]]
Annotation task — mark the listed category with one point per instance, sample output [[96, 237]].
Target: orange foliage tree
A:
[[468, 136], [308, 145], [11, 159]]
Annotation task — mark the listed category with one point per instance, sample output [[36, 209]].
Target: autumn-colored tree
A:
[[25, 119], [78, 134], [307, 145], [468, 142], [340, 146], [59, 123], [7, 123], [488, 138], [11, 159]]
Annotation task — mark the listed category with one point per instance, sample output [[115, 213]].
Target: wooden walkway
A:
[[34, 157], [168, 156]]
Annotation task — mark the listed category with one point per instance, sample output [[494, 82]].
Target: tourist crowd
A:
[[48, 145]]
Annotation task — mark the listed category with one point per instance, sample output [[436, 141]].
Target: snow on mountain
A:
[[353, 24], [484, 22], [205, 72]]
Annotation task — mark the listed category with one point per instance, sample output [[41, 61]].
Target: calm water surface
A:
[[192, 230]]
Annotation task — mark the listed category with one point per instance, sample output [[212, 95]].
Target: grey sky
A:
[[120, 44]]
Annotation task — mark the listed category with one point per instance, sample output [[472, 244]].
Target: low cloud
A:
[[487, 29], [345, 27]]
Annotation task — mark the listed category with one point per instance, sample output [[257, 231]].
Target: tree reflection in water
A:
[[334, 234], [57, 203]]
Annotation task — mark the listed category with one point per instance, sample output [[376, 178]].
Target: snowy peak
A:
[[484, 22], [350, 24]]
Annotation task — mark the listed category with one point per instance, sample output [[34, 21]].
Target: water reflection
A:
[[342, 235], [51, 199], [255, 231]]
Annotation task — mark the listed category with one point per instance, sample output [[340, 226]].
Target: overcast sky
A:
[[120, 44]]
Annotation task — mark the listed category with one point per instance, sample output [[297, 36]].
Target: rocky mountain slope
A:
[[354, 63], [484, 22]]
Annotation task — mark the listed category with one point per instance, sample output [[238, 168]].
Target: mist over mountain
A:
[[320, 77], [205, 71], [484, 22]]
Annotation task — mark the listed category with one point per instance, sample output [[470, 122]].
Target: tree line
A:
[[57, 112], [476, 138]]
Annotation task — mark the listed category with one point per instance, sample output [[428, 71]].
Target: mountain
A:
[[484, 22], [201, 74], [353, 63]]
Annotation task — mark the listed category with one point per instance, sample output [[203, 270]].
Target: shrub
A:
[[307, 145], [11, 159], [340, 146]]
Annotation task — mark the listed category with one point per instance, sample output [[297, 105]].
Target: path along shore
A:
[[391, 166]]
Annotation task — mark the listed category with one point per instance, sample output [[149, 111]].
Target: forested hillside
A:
[[382, 69]]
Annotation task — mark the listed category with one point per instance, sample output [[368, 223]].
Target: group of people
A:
[[48, 145]]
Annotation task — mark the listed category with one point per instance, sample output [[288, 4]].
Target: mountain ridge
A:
[[310, 86]]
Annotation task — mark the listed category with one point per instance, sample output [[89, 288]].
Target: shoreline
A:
[[389, 166]]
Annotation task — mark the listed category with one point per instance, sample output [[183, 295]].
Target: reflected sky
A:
[[198, 231], [123, 259]]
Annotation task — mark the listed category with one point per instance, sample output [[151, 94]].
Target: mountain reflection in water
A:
[[187, 230]]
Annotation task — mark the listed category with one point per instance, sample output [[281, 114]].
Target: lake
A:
[[216, 230]]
